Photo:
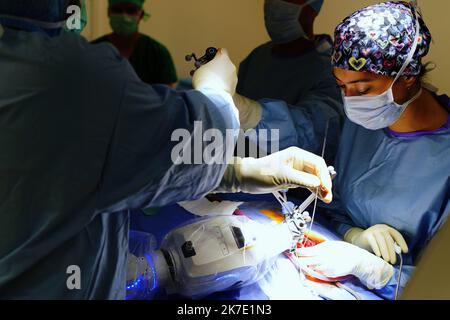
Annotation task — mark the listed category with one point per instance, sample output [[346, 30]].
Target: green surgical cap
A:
[[139, 3]]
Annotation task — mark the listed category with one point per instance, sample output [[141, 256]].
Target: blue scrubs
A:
[[399, 180], [83, 141], [304, 87]]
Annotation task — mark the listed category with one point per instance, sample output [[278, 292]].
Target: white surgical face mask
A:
[[282, 20], [378, 112], [381, 111]]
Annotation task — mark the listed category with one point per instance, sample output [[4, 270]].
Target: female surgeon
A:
[[393, 182]]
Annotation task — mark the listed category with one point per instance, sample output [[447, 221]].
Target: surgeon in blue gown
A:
[[292, 72], [393, 164], [83, 141]]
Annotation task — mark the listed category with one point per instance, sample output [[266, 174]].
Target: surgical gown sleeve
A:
[[140, 170], [306, 123]]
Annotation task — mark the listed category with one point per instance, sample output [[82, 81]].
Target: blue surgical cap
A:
[[40, 10], [32, 15], [317, 5]]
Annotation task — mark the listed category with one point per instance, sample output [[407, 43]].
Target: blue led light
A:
[[135, 284], [141, 288]]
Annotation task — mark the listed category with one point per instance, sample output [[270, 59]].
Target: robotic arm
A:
[[214, 254]]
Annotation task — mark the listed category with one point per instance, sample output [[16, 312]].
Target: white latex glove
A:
[[379, 239], [219, 74], [335, 259], [290, 168], [250, 111]]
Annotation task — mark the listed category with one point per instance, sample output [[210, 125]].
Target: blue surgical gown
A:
[[304, 88], [403, 182], [83, 141]]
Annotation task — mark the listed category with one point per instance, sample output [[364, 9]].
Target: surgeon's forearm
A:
[[250, 111], [230, 182], [222, 99]]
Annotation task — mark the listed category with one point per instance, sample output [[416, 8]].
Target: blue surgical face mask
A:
[[282, 20], [381, 111]]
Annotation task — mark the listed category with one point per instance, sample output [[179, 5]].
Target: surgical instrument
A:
[[398, 251], [210, 54]]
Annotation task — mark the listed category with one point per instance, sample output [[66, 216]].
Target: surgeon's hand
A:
[[379, 239], [219, 74], [335, 259], [250, 111], [290, 168]]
